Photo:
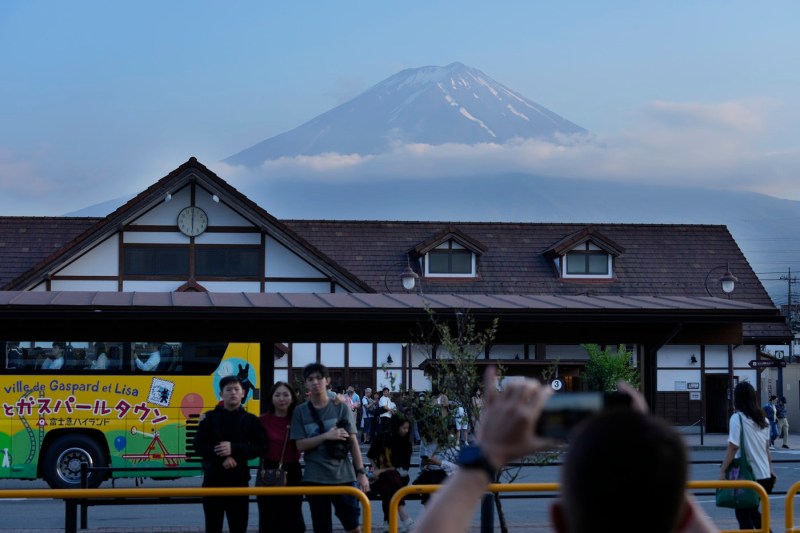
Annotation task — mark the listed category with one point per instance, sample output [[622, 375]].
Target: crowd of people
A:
[[608, 455]]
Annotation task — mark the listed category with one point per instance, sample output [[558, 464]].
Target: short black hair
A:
[[227, 380], [622, 451], [313, 368]]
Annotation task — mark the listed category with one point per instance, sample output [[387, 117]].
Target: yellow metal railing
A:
[[789, 508], [59, 494], [762, 494], [554, 487]]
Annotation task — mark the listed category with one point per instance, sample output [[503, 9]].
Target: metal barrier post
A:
[[83, 503], [762, 494], [702, 429], [70, 515], [487, 513], [789, 507]]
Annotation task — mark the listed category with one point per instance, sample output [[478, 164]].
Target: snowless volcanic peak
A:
[[429, 105]]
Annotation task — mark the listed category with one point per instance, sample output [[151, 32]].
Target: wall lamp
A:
[[408, 277], [389, 360], [168, 197], [215, 198], [727, 280], [693, 359]]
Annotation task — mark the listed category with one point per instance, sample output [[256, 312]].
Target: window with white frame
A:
[[586, 261], [450, 259]]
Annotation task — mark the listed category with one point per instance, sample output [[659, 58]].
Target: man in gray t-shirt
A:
[[318, 445]]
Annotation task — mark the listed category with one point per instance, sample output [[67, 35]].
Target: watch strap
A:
[[473, 458]]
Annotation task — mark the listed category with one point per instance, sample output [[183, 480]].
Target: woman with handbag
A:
[[280, 464], [748, 449], [391, 458]]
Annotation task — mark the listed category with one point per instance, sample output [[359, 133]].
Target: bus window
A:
[[115, 415]]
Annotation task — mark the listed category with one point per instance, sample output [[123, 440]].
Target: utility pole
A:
[[789, 312]]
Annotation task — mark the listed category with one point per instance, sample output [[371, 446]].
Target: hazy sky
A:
[[100, 99]]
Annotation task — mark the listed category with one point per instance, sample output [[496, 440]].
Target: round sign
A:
[[556, 384], [778, 354]]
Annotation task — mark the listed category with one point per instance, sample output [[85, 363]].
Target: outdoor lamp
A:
[[727, 280], [409, 278]]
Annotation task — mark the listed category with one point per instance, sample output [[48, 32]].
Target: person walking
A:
[[749, 421], [324, 431], [783, 421], [226, 438], [280, 513], [769, 411]]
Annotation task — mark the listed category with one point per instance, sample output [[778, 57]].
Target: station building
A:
[[655, 288]]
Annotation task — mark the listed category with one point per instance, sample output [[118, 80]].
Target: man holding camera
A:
[[620, 455], [325, 431]]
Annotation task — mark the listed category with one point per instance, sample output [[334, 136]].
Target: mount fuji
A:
[[428, 105]]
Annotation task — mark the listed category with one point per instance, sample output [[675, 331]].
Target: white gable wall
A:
[[102, 260], [282, 262]]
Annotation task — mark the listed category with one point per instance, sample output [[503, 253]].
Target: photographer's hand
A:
[[508, 419]]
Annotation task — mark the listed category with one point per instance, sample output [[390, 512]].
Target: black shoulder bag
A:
[[337, 449], [274, 477]]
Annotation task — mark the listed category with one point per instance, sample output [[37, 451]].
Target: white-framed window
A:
[[451, 260], [586, 261]]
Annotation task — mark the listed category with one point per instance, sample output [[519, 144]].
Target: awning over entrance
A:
[[345, 317]]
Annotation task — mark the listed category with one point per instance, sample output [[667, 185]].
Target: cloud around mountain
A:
[[715, 145]]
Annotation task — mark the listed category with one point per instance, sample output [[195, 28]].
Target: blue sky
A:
[[99, 99]]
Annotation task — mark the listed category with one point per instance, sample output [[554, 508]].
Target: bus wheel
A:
[[62, 462]]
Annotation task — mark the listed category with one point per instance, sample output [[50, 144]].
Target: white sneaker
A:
[[771, 447]]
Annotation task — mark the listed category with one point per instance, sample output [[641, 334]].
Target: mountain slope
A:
[[429, 105]]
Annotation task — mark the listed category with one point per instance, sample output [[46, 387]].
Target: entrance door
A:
[[717, 403]]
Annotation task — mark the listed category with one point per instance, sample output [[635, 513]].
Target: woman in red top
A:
[[281, 513]]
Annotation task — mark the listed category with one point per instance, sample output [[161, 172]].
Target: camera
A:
[[563, 411]]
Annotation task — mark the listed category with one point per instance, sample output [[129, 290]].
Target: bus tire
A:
[[62, 462]]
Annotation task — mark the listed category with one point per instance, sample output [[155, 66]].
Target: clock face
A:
[[192, 221]]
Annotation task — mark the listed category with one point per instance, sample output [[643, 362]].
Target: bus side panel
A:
[[162, 437]]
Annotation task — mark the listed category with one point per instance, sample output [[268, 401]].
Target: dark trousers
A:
[[282, 513], [237, 508], [751, 518], [387, 484], [346, 508]]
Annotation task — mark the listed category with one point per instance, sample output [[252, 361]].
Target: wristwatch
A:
[[361, 471], [472, 457]]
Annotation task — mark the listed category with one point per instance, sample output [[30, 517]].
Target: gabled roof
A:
[[447, 234], [27, 241], [659, 259], [188, 172], [588, 233]]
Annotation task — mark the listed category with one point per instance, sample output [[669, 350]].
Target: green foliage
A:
[[458, 345], [606, 367]]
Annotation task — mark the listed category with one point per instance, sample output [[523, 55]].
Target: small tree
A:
[[459, 377], [606, 367]]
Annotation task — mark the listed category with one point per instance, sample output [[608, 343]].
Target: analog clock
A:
[[192, 221]]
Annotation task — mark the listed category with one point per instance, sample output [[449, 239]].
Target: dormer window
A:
[[450, 259], [587, 260], [451, 253], [585, 254]]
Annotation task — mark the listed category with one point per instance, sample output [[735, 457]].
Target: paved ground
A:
[[713, 442]]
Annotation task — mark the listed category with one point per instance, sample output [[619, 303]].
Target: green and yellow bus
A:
[[117, 404]]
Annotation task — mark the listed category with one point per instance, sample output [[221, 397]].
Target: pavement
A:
[[719, 441], [694, 441]]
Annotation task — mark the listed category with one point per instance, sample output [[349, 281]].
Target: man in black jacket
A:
[[226, 438]]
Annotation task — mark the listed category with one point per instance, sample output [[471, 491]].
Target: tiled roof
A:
[[26, 241], [658, 259]]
